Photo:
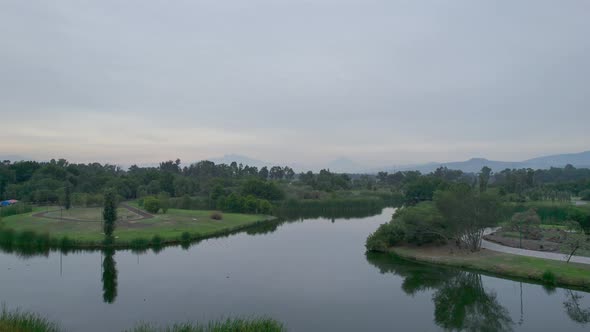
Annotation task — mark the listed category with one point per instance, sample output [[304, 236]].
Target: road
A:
[[530, 253]]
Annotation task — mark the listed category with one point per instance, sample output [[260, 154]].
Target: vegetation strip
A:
[[21, 321], [552, 273]]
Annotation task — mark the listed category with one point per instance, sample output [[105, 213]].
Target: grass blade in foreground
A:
[[228, 325]]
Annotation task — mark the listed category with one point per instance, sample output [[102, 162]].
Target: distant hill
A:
[[579, 160], [344, 165]]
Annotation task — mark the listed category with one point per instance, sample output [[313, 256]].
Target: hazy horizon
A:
[[377, 82]]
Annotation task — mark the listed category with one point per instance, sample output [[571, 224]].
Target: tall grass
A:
[[21, 321], [227, 325]]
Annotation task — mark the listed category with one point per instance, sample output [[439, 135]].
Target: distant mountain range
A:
[[346, 165], [579, 160]]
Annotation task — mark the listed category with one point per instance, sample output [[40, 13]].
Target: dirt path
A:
[[530, 253], [143, 215]]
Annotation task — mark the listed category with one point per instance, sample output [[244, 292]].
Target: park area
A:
[[82, 227]]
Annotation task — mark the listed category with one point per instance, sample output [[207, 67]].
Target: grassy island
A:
[[82, 227]]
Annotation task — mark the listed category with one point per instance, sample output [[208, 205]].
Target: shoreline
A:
[[487, 262], [42, 242]]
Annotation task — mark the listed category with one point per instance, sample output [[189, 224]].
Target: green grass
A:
[[530, 268], [227, 325], [171, 227], [19, 321]]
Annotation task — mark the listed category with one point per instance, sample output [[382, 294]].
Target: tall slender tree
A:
[[109, 213], [484, 178], [67, 197]]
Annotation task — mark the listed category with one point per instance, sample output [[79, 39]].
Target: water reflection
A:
[[109, 276], [460, 300], [574, 310]]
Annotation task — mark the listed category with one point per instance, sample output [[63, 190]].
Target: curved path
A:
[[530, 253], [142, 214]]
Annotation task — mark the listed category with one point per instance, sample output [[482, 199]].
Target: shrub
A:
[[385, 236], [151, 204], [157, 241], [549, 278], [185, 237], [216, 215], [139, 243], [585, 195]]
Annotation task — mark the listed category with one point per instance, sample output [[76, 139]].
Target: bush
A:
[[385, 236], [151, 204], [216, 215], [585, 195], [549, 278], [185, 237], [157, 241]]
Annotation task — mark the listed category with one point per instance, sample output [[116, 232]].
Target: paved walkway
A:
[[530, 253]]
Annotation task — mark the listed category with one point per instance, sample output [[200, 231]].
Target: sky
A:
[[380, 82]]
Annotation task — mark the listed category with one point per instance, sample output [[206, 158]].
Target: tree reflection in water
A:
[[460, 300], [573, 308], [109, 276]]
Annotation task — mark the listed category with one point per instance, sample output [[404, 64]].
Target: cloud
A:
[[308, 81]]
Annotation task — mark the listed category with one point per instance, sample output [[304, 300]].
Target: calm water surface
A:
[[313, 275]]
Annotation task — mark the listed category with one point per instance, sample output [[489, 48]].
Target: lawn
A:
[[174, 226], [570, 274]]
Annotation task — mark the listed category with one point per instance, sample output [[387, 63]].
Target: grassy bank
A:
[[22, 321], [554, 273], [227, 325], [83, 228], [25, 322]]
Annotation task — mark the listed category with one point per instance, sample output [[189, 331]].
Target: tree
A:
[[164, 199], [484, 178], [263, 174], [276, 173], [422, 189], [262, 189], [151, 204], [109, 213], [525, 223], [289, 173], [67, 197], [575, 240], [468, 213]]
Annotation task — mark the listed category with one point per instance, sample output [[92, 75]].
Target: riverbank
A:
[[82, 229], [553, 273]]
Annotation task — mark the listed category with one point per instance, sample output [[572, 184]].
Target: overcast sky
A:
[[380, 82]]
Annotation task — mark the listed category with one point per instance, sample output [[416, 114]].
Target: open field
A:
[[486, 261], [85, 230]]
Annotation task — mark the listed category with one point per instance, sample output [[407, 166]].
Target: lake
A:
[[311, 274]]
